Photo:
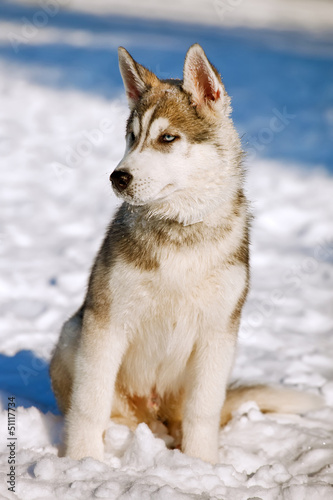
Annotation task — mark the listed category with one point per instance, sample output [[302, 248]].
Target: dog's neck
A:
[[218, 215], [186, 212], [185, 224]]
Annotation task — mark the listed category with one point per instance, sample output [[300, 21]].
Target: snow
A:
[[62, 120], [316, 16]]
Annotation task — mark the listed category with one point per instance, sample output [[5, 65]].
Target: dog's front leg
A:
[[96, 366], [206, 381]]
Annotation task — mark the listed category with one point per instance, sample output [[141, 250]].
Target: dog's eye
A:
[[168, 138]]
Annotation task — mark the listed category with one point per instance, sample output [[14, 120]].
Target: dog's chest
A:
[[162, 312], [184, 278]]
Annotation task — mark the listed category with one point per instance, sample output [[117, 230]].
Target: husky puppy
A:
[[155, 338]]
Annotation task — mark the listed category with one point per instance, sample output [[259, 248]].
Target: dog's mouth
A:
[[133, 198]]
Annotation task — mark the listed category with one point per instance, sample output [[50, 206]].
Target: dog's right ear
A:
[[137, 79]]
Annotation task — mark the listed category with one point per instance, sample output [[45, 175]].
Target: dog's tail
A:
[[270, 400]]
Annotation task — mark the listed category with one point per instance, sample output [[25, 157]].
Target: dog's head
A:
[[181, 147]]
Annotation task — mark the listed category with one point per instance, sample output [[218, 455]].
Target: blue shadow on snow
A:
[[26, 377]]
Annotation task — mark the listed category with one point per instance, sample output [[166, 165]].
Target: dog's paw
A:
[[200, 438], [210, 456], [85, 441], [202, 451], [80, 450]]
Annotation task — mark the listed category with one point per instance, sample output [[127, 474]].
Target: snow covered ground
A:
[[62, 119]]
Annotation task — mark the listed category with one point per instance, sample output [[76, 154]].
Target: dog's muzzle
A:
[[120, 180]]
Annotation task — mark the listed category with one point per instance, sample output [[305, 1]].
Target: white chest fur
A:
[[163, 311]]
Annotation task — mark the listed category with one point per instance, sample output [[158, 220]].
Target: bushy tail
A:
[[270, 400]]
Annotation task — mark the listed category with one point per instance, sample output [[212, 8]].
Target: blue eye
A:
[[168, 138]]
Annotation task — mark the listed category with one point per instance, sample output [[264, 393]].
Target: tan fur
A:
[[156, 336]]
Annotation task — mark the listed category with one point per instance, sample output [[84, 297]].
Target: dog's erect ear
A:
[[136, 78], [201, 79]]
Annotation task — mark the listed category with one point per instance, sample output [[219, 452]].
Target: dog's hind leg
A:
[[62, 362]]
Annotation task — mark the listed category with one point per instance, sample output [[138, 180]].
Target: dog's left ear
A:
[[202, 81], [137, 79]]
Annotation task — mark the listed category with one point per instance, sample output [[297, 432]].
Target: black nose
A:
[[120, 179]]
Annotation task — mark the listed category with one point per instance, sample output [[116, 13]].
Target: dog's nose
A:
[[120, 179]]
